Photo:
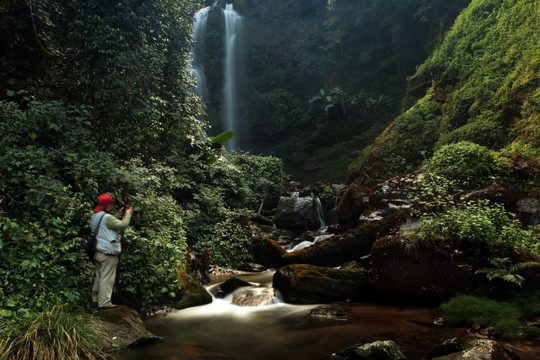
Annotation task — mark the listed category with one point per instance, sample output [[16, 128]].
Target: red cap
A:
[[104, 200]]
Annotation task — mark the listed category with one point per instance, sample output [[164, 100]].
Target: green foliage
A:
[[470, 310], [154, 251], [485, 78], [227, 242], [466, 165], [482, 227], [42, 263], [410, 138], [55, 333]]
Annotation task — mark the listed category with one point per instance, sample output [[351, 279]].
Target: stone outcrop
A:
[[378, 350], [123, 328], [308, 284], [354, 202], [351, 245], [297, 214], [421, 270]]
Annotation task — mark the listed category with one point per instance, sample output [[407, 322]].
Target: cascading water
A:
[[197, 52], [233, 28]]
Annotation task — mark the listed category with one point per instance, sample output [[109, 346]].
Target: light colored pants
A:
[[105, 276]]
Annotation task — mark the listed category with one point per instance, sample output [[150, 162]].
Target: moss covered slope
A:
[[484, 89]]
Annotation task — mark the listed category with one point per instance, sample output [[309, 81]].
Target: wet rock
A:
[[482, 349], [353, 203], [124, 328], [418, 270], [297, 214], [448, 347], [256, 296], [333, 311], [378, 350], [192, 294], [308, 284], [229, 286], [267, 252], [351, 245], [252, 267]]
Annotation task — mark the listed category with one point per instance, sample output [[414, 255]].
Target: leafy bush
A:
[[503, 315], [465, 164], [228, 243], [481, 226], [57, 333]]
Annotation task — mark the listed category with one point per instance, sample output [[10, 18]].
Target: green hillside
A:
[[483, 87]]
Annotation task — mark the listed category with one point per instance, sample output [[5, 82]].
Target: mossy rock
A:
[[308, 284], [192, 294], [348, 246], [420, 270], [123, 328], [267, 252]]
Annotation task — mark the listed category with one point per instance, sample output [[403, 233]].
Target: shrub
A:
[[58, 333], [467, 165], [227, 242], [471, 310]]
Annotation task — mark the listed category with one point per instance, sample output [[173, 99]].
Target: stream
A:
[[221, 330]]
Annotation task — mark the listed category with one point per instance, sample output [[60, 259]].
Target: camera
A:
[[126, 207]]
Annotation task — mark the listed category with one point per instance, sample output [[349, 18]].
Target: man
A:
[[108, 248]]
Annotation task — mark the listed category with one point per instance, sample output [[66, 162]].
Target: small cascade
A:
[[320, 212], [233, 28], [197, 51], [260, 293]]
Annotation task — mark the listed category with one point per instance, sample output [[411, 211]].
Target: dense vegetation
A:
[[323, 78], [483, 88], [95, 97], [101, 102]]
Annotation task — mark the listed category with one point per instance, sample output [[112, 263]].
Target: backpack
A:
[[89, 241]]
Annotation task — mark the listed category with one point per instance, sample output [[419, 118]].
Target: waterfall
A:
[[233, 26], [320, 212], [197, 52]]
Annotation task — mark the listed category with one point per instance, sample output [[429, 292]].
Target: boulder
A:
[[254, 296], [418, 270], [297, 214], [308, 284], [192, 294], [229, 286], [378, 350], [252, 267], [333, 311], [482, 349], [123, 328], [353, 203], [267, 252], [351, 245]]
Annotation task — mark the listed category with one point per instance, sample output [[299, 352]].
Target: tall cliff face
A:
[[323, 78], [483, 88]]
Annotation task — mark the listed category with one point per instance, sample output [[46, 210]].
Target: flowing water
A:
[[233, 28], [221, 330]]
